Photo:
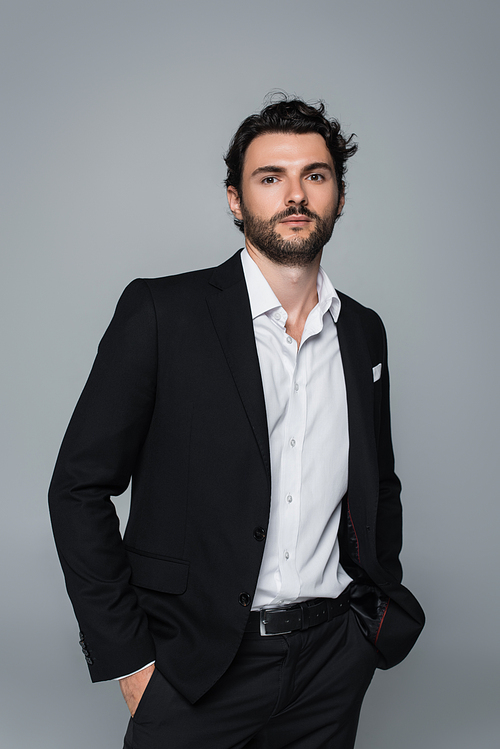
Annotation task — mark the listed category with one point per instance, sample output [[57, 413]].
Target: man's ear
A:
[[234, 201], [341, 199]]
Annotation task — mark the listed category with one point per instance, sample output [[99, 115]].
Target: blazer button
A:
[[244, 599], [259, 534]]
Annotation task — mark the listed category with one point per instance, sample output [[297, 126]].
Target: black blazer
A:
[[175, 401]]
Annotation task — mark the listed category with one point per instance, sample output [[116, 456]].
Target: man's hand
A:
[[133, 687]]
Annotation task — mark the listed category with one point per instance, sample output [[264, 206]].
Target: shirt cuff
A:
[[133, 672]]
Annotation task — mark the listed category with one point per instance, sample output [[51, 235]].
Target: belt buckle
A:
[[263, 622]]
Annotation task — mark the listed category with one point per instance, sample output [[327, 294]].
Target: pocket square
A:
[[377, 371]]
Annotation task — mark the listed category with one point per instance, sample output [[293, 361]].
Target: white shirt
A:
[[306, 405]]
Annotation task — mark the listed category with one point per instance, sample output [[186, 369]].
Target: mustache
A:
[[300, 210]]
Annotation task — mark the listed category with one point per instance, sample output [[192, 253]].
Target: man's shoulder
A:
[[351, 306], [230, 271], [366, 321], [150, 293], [190, 279], [182, 292]]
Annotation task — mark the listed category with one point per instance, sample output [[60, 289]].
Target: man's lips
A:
[[296, 220]]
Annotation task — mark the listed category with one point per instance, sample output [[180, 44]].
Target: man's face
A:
[[289, 199]]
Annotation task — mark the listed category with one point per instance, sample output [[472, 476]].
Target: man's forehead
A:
[[286, 149]]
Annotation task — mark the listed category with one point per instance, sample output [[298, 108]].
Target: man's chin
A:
[[290, 254], [295, 247], [297, 235]]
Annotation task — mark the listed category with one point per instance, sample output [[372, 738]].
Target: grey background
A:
[[115, 116]]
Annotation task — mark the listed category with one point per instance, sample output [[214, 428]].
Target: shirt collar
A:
[[263, 299]]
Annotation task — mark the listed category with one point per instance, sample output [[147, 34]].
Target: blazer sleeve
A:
[[96, 460]]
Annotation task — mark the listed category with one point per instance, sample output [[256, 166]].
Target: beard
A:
[[297, 252]]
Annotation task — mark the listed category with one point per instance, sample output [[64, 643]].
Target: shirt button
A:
[[296, 386], [289, 339], [289, 498], [287, 555], [277, 316], [292, 442]]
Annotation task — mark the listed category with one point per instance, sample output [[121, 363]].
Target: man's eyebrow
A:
[[269, 168], [280, 169], [317, 165]]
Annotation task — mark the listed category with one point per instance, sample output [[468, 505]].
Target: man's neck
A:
[[295, 288]]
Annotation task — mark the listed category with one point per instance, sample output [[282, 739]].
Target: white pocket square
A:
[[377, 371]]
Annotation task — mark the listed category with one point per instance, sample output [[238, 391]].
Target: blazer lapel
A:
[[363, 469], [232, 319]]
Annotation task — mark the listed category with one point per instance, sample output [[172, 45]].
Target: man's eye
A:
[[269, 180], [315, 177]]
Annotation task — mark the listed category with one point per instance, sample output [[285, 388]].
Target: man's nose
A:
[[296, 194]]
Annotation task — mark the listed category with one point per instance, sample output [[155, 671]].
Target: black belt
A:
[[281, 621]]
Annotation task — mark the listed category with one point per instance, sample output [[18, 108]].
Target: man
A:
[[258, 583]]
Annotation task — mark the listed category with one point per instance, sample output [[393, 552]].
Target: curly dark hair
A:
[[288, 115]]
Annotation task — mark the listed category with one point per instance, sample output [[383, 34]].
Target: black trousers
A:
[[300, 691]]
